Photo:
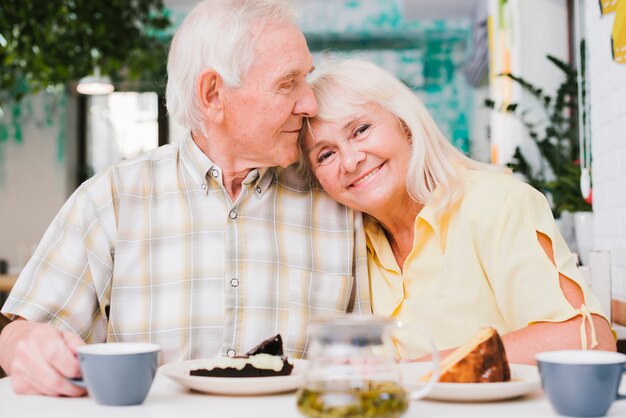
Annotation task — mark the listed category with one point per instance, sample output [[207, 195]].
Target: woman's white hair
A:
[[341, 87], [217, 34]]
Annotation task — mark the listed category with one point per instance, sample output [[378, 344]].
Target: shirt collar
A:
[[377, 243], [377, 240], [195, 161], [202, 168], [264, 180], [439, 225]]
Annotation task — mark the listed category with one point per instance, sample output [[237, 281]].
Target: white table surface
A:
[[168, 399]]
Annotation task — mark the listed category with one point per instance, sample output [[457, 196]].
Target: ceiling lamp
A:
[[95, 84]]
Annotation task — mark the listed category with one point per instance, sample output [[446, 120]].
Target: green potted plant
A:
[[556, 136]]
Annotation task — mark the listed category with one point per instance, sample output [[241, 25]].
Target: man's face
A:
[[263, 117]]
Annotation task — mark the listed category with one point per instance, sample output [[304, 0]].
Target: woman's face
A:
[[361, 160]]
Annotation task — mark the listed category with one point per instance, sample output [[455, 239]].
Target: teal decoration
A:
[[460, 134], [432, 88], [176, 17], [17, 133], [28, 104], [428, 55], [62, 134], [14, 116], [48, 114], [16, 112], [3, 158]]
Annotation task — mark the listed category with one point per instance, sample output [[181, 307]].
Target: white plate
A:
[[179, 372], [524, 379]]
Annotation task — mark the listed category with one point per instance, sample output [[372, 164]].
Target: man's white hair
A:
[[217, 34]]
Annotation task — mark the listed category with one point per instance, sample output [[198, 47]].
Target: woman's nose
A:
[[351, 156]]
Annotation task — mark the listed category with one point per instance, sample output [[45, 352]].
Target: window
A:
[[120, 126]]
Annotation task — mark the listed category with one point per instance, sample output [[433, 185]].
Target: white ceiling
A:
[[441, 9], [413, 9]]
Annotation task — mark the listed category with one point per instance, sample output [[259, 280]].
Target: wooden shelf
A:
[[7, 282]]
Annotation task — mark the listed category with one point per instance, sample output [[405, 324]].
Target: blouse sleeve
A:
[[524, 280]]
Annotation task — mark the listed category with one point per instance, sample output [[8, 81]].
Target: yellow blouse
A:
[[478, 265]]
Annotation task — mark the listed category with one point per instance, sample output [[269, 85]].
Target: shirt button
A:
[[203, 186], [232, 214], [258, 189], [231, 353], [234, 282], [215, 173]]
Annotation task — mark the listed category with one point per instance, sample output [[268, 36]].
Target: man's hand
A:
[[39, 357]]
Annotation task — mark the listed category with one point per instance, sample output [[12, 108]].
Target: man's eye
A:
[[287, 85], [361, 129]]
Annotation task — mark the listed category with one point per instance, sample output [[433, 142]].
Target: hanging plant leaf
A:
[[56, 42], [556, 138]]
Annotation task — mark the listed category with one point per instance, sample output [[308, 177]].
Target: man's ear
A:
[[209, 90]]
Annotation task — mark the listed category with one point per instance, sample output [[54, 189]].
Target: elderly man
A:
[[205, 248]]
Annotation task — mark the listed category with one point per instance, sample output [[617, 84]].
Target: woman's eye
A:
[[361, 129], [324, 156]]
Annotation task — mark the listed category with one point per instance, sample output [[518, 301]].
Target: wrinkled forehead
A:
[[321, 127], [335, 107], [336, 101]]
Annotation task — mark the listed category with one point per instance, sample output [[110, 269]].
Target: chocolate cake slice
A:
[[272, 346], [266, 359]]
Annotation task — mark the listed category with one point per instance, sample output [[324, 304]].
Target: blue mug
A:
[[117, 373], [581, 383]]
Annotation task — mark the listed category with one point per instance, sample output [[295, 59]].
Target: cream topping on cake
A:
[[260, 361]]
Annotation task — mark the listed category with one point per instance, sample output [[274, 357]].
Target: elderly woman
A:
[[453, 244]]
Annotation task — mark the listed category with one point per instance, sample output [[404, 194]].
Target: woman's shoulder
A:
[[486, 192], [495, 183]]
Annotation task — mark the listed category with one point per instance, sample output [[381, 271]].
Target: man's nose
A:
[[306, 105]]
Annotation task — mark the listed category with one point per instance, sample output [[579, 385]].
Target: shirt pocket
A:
[[311, 294]]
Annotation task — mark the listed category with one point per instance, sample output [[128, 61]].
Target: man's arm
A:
[[58, 289], [39, 357]]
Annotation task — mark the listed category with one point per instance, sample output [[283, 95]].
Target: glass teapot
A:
[[354, 371]]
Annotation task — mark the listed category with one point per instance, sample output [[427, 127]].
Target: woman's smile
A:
[[362, 182]]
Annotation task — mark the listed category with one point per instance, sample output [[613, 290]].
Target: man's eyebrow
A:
[[289, 75], [294, 74]]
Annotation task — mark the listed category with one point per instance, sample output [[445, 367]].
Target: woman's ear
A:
[[209, 91], [406, 131]]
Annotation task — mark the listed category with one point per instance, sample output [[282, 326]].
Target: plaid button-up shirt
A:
[[153, 249]]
